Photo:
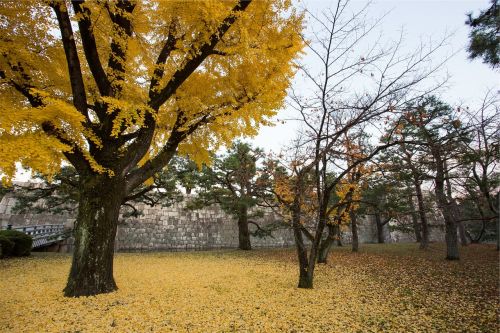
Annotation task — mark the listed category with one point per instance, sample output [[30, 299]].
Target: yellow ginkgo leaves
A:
[[384, 288]]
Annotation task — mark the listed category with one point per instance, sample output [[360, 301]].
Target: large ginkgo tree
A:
[[116, 88]]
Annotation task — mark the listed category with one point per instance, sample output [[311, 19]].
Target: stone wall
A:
[[176, 229], [163, 228], [7, 216]]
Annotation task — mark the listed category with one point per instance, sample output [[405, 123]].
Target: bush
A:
[[22, 243], [6, 246]]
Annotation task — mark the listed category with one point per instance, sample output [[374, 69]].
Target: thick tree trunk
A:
[[305, 279], [380, 228], [316, 242], [95, 230], [243, 231], [451, 236], [324, 249], [354, 229], [451, 241], [424, 242], [460, 224], [454, 209], [446, 208]]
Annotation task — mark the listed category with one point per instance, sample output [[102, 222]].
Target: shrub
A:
[[6, 246], [22, 242]]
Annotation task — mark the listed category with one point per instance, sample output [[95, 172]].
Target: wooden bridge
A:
[[43, 235]]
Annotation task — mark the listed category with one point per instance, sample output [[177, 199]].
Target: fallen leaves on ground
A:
[[385, 288]]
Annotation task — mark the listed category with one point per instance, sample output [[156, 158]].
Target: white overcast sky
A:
[[420, 20]]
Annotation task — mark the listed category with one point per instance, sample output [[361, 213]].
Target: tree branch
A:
[[121, 32], [74, 68], [204, 51], [90, 47]]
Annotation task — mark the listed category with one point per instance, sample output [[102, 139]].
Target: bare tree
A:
[[480, 157], [357, 85]]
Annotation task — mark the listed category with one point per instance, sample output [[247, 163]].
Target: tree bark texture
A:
[[424, 242], [354, 229], [454, 209], [243, 232], [326, 245], [380, 228], [305, 276], [451, 237], [414, 219], [91, 270]]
